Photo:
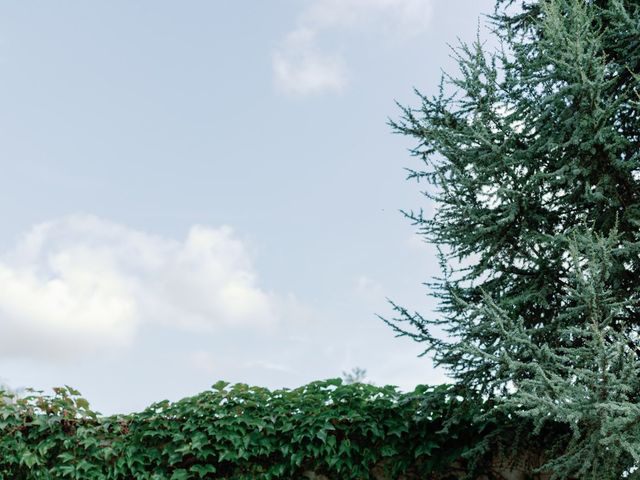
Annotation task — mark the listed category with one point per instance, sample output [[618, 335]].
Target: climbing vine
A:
[[325, 429]]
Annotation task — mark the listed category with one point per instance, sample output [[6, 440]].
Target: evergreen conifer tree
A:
[[587, 381], [532, 155]]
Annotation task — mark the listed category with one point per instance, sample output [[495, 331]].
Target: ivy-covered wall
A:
[[324, 430]]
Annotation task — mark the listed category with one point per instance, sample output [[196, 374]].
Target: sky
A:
[[205, 190]]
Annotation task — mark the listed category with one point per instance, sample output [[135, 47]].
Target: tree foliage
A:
[[588, 380], [532, 156]]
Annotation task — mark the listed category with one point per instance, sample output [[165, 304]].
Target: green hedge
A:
[[328, 428]]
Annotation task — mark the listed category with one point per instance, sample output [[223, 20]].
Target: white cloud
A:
[[404, 17], [301, 67], [82, 283]]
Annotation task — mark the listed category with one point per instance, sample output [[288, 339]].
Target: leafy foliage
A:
[[589, 380], [532, 156], [539, 139], [328, 428]]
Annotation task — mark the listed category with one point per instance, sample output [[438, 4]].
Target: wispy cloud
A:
[[82, 283], [302, 67]]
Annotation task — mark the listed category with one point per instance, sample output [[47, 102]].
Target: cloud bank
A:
[[82, 283], [301, 67]]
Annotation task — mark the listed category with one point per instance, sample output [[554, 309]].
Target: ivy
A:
[[326, 429]]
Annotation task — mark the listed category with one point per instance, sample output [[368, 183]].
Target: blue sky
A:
[[209, 190]]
